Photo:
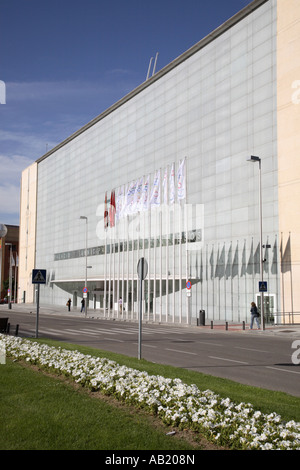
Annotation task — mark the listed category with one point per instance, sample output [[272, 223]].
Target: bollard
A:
[[202, 317]]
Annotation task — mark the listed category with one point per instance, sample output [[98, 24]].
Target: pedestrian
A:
[[120, 304], [254, 315], [82, 305], [69, 304]]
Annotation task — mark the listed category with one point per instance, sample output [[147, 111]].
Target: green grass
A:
[[42, 412], [39, 412], [267, 401]]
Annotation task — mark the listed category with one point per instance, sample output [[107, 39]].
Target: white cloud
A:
[[10, 187], [13, 168], [9, 199], [64, 90]]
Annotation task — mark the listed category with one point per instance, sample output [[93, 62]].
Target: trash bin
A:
[[201, 319]]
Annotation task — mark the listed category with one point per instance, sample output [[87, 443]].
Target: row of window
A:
[[192, 236]]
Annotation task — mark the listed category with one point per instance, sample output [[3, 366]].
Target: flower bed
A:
[[226, 423]]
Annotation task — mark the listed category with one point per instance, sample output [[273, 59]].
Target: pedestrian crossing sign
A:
[[39, 276], [263, 286]]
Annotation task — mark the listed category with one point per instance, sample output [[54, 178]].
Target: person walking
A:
[[254, 315], [69, 304], [82, 305]]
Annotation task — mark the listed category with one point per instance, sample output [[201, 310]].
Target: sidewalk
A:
[[218, 325]]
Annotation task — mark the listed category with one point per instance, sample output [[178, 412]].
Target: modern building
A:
[[9, 260], [163, 174]]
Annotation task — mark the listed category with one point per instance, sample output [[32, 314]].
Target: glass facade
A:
[[212, 110]]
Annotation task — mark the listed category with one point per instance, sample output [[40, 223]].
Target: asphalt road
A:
[[257, 358]]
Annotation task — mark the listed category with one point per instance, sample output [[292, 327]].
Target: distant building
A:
[[9, 259], [163, 174]]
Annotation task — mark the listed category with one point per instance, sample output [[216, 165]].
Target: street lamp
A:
[[10, 275], [254, 159], [86, 232], [3, 232]]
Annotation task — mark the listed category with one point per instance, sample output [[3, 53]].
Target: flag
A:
[[274, 269], [130, 198], [286, 259], [211, 262], [244, 263], [112, 209], [220, 266], [172, 185], [105, 212], [165, 186], [181, 181], [144, 201], [235, 264], [144, 195], [124, 203], [155, 195], [250, 265], [256, 260], [119, 203], [228, 270], [137, 196]]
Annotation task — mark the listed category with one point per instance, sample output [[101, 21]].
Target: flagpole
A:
[[105, 266], [127, 283], [238, 279], [142, 210], [167, 244], [180, 260], [149, 252], [132, 275], [173, 237], [160, 251], [188, 299]]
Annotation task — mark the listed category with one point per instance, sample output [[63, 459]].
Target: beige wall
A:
[[27, 232], [288, 114]]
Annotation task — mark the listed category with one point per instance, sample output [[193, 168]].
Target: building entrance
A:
[[269, 307]]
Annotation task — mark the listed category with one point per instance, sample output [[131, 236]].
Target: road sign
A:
[[84, 290], [142, 268], [263, 286], [39, 276], [188, 285]]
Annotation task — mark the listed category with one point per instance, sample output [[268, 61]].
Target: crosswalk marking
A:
[[131, 330]]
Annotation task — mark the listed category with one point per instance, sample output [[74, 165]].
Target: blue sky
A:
[[63, 62]]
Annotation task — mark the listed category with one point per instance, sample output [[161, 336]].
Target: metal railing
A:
[[284, 318]]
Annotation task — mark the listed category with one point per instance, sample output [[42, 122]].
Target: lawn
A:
[[43, 412], [40, 412]]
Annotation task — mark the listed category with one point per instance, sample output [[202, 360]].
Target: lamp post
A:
[[254, 159], [86, 232], [10, 275], [3, 232]]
